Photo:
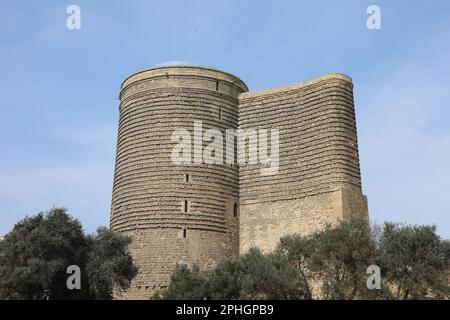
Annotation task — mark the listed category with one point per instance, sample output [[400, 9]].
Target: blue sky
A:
[[59, 90]]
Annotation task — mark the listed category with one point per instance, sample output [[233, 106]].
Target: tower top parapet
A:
[[184, 70]]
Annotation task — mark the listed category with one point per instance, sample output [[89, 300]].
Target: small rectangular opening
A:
[[220, 113], [235, 210], [185, 206], [184, 233], [186, 177], [217, 85]]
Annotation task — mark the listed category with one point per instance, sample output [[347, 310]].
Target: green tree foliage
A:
[[415, 261], [109, 265], [270, 276], [35, 255], [340, 257], [224, 281], [186, 284], [252, 276], [329, 264]]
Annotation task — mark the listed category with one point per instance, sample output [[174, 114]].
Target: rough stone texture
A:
[[150, 191], [158, 250], [318, 180]]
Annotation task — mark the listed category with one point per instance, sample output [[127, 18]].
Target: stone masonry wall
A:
[[155, 200], [319, 176], [157, 251]]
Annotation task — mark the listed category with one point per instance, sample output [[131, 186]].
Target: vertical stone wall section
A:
[[150, 191], [319, 178]]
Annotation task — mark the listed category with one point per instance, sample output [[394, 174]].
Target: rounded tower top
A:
[[180, 73]]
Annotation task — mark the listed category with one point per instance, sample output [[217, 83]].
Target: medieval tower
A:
[[202, 213]]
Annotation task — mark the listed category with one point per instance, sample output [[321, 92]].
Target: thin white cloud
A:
[[174, 63]]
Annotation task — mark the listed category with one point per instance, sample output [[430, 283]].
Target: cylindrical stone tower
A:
[[174, 213]]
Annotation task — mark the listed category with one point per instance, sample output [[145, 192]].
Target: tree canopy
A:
[[329, 264], [35, 255]]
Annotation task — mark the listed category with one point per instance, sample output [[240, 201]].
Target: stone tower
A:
[[202, 213], [175, 214], [318, 181]]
